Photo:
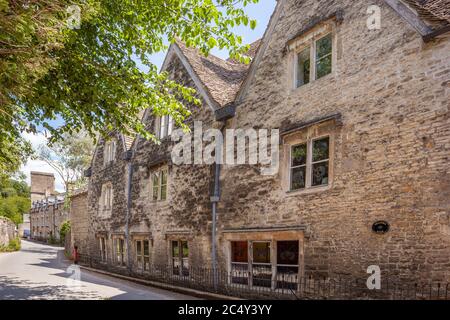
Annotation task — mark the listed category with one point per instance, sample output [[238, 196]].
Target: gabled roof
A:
[[221, 78]]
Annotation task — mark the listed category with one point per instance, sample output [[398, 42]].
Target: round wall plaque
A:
[[380, 227]]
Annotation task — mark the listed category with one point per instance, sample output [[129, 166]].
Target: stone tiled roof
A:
[[436, 12], [222, 78]]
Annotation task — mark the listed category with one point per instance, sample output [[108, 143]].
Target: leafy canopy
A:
[[88, 76]]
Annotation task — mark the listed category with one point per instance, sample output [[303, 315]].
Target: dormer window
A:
[[110, 152], [164, 126]]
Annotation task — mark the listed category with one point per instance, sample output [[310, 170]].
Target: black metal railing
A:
[[262, 285]]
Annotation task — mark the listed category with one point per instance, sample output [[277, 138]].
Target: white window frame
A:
[[310, 39], [273, 247], [164, 126], [309, 163], [120, 257], [143, 267]]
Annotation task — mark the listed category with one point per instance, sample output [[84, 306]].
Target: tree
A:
[[14, 198], [86, 74], [69, 157]]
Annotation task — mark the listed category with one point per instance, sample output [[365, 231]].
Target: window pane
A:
[[146, 248], [239, 251], [175, 249], [320, 174], [163, 127], [321, 149], [261, 252], [323, 56], [262, 276], [303, 67], [298, 176], [138, 248], [323, 67], [155, 187], [298, 155], [163, 177], [323, 46], [287, 252], [163, 185], [185, 248]]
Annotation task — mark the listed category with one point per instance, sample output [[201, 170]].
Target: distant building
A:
[[42, 185], [79, 220], [47, 208]]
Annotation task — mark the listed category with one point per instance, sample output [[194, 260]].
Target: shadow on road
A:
[[19, 289]]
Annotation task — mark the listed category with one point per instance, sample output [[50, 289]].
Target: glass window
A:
[[102, 249], [180, 258], [146, 255], [303, 67], [261, 267], [155, 186], [320, 161], [163, 185], [165, 126], [287, 264], [323, 56], [139, 254], [298, 166]]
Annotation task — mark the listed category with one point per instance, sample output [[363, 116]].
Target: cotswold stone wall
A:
[[115, 173], [186, 213], [391, 150], [7, 231], [79, 222]]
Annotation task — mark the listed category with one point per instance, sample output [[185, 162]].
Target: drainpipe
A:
[[128, 156], [214, 200]]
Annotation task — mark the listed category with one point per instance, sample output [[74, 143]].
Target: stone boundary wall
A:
[[7, 231]]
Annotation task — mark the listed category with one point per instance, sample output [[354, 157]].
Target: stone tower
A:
[[42, 185]]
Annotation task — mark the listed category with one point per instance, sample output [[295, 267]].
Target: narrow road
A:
[[39, 271]]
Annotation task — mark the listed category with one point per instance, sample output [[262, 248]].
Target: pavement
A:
[[40, 271]]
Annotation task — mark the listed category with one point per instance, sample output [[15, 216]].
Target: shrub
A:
[[65, 228], [13, 245]]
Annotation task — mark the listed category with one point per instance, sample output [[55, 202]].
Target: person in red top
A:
[[75, 254]]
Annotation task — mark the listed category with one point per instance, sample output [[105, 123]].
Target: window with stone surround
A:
[[271, 264], [142, 249], [179, 250], [164, 126], [159, 185], [119, 250], [309, 164], [313, 54], [106, 198], [109, 152]]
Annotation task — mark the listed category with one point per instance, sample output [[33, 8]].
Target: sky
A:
[[260, 11]]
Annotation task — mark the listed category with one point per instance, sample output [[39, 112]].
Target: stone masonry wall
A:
[[7, 231], [391, 152]]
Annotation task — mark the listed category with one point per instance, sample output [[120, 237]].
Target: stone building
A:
[[42, 185], [47, 211], [79, 221], [363, 179]]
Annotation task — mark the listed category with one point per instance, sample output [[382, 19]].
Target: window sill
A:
[[328, 77], [311, 190]]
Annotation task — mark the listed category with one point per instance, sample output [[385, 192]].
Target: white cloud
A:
[[39, 165]]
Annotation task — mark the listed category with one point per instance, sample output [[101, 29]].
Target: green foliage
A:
[[14, 199], [13, 245], [69, 157], [88, 77], [65, 228]]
